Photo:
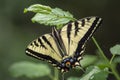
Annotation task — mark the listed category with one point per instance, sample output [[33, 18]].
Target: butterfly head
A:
[[69, 63]]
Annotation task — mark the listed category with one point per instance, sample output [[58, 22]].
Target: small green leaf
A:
[[87, 60], [73, 78], [115, 49], [95, 73], [117, 59], [38, 8], [29, 69], [102, 75]]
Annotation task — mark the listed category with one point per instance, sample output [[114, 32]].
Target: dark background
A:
[[17, 30]]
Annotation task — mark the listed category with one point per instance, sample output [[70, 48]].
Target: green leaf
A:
[[115, 49], [95, 73], [117, 59], [38, 8], [60, 13], [29, 69], [48, 16], [57, 17], [87, 60], [73, 78]]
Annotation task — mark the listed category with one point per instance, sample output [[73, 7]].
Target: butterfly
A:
[[64, 47]]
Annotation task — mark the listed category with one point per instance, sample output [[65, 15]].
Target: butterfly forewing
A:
[[75, 34], [43, 47]]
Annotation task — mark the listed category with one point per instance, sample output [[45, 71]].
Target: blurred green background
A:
[[17, 30]]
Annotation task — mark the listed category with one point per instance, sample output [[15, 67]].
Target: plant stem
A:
[[111, 66], [113, 69], [51, 77], [112, 58], [56, 74], [102, 53]]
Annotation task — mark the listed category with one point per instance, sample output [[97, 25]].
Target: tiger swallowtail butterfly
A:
[[64, 47]]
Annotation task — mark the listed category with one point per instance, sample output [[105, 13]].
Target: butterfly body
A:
[[69, 63], [64, 48]]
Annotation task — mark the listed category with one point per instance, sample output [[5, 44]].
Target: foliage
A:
[[29, 69], [115, 49], [95, 73], [48, 16], [95, 70], [88, 60]]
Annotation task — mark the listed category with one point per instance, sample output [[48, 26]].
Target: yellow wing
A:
[[44, 48], [74, 35]]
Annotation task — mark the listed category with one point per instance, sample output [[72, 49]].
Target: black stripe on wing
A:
[[41, 43], [90, 32], [69, 27], [36, 44], [76, 28], [46, 41], [83, 22], [60, 45], [41, 56]]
